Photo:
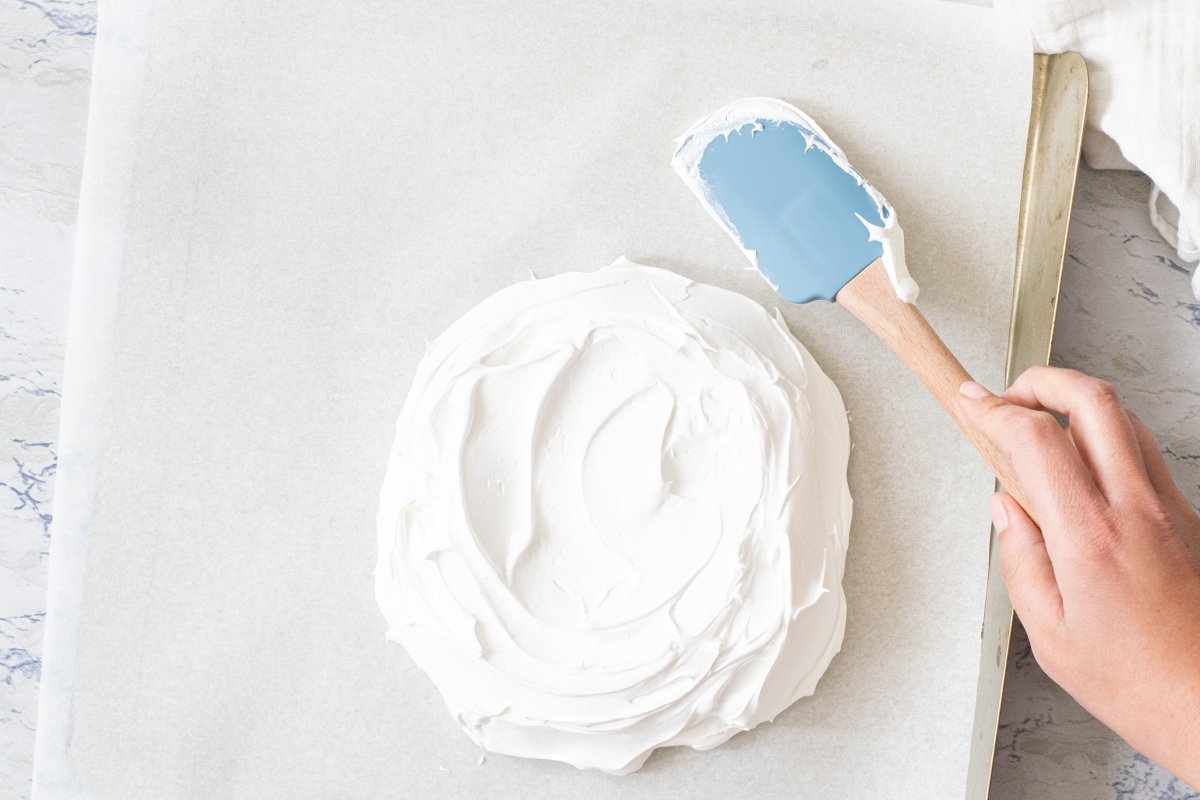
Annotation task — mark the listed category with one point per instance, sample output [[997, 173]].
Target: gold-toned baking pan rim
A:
[[1059, 101]]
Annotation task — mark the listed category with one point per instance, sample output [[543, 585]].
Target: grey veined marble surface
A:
[[1126, 315], [45, 60]]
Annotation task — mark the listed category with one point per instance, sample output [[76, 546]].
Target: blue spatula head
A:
[[806, 219]]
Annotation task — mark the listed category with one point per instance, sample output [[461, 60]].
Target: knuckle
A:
[[1035, 372], [1154, 513], [1102, 539], [1100, 394], [1030, 376], [1142, 506], [1102, 548], [1035, 427]]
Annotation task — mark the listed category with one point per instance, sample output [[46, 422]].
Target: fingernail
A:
[[974, 390], [999, 518]]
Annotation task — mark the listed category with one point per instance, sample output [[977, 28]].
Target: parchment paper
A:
[[281, 201]]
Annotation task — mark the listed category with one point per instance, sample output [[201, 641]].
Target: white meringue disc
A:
[[615, 517]]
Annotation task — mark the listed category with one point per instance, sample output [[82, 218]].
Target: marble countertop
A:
[[45, 63], [1126, 315]]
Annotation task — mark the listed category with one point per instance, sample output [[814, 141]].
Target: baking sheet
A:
[[278, 209]]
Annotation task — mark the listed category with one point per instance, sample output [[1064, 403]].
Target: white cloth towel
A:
[[1144, 105]]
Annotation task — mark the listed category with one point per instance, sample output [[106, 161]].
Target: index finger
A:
[[1100, 428], [1054, 478]]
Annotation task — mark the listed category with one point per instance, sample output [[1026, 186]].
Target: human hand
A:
[[1107, 582]]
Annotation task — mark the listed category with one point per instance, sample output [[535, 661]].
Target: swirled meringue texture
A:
[[616, 517]]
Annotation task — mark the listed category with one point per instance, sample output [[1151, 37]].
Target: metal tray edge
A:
[[1059, 100]]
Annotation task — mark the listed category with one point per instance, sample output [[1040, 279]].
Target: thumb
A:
[[1025, 565]]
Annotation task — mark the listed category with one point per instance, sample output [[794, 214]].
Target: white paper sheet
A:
[[280, 203]]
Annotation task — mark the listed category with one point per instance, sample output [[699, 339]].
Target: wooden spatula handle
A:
[[871, 297]]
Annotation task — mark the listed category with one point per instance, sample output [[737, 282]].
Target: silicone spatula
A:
[[816, 229]]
